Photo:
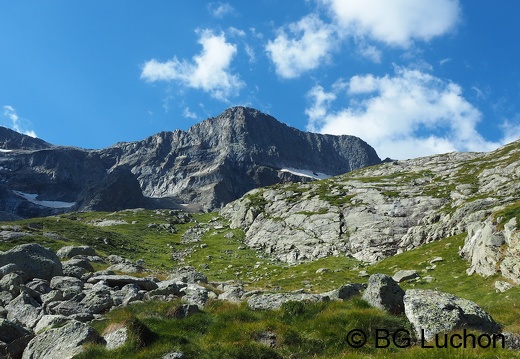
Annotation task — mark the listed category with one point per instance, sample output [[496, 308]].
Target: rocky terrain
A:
[[48, 301], [211, 164], [379, 211], [427, 246]]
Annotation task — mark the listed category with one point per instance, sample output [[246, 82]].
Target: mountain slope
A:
[[376, 212], [211, 164], [220, 159]]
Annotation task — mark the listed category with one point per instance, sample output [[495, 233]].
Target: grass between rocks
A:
[[225, 330]]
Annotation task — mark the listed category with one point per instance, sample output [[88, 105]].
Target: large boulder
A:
[[24, 310], [432, 312], [275, 300], [113, 280], [71, 251], [9, 331], [61, 343], [34, 260], [384, 293]]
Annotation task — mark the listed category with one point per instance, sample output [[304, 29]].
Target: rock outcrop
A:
[[379, 211], [46, 314], [432, 312]]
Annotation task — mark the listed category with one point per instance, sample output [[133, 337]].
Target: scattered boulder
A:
[[195, 294], [115, 337], [404, 275], [232, 294], [188, 274], [384, 293], [502, 286], [120, 281], [24, 310], [61, 343], [270, 301], [9, 331], [345, 292], [174, 355], [49, 321], [432, 312], [128, 294], [71, 251], [11, 283], [8, 268], [183, 310], [34, 260]]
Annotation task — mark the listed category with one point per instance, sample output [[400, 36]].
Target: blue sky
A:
[[410, 77]]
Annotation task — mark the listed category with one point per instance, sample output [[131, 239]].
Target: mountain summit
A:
[[214, 162]]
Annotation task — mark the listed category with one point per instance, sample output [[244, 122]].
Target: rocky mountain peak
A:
[[12, 140], [212, 163]]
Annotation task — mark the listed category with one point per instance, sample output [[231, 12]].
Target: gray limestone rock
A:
[[127, 294], [24, 310], [9, 331], [34, 260], [384, 293], [71, 251], [345, 292], [404, 275], [122, 280], [432, 312], [188, 274], [97, 301], [61, 343], [116, 338], [195, 294], [174, 355], [270, 301], [49, 321], [232, 294]]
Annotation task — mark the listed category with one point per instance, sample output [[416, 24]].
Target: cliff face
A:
[[221, 158], [211, 164]]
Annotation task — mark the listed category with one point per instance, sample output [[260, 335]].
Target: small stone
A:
[[502, 286], [404, 275], [322, 270]]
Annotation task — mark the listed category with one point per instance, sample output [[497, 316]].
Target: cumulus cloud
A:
[[397, 22], [407, 115], [209, 71], [16, 123], [301, 46], [305, 45]]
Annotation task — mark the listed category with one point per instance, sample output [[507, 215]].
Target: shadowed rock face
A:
[[211, 164]]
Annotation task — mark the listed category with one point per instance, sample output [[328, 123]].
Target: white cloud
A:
[[301, 46], [189, 114], [445, 61], [16, 123], [396, 22], [208, 71], [250, 54], [321, 102], [407, 115], [511, 130], [370, 52], [307, 44], [219, 9]]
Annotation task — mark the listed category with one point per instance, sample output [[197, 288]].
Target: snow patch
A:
[[51, 204], [305, 173]]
